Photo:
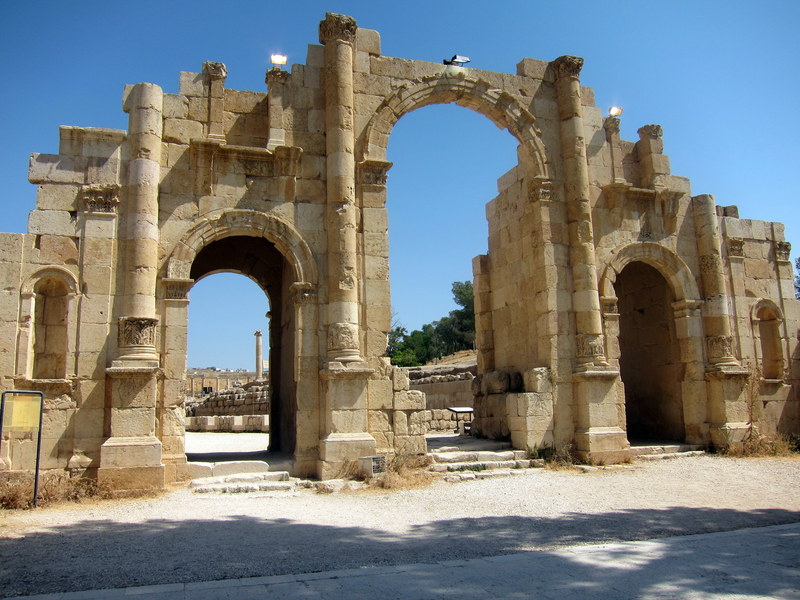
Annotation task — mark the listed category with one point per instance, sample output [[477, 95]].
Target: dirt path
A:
[[182, 537]]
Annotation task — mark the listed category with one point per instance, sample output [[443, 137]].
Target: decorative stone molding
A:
[[276, 76], [343, 336], [177, 289], [373, 172], [100, 198], [652, 131], [782, 250], [337, 27], [567, 66], [137, 331], [736, 247], [609, 305], [178, 269], [215, 70], [719, 346], [287, 161], [590, 345]]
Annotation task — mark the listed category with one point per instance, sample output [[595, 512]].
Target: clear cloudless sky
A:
[[721, 77]]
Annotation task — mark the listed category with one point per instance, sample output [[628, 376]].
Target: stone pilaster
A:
[[216, 74], [726, 379], [337, 33], [653, 164], [276, 86]]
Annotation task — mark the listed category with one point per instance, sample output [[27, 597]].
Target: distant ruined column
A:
[[585, 296], [337, 33], [259, 356]]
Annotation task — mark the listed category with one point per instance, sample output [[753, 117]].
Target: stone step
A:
[[474, 445], [665, 455], [481, 466], [637, 451], [242, 487], [477, 456], [241, 478], [473, 475], [218, 469]]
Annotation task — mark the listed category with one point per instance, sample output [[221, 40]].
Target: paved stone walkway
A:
[[761, 563]]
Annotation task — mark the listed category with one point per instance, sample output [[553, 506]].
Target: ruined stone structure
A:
[[612, 304]]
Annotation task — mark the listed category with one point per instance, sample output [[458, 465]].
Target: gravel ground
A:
[[182, 537]]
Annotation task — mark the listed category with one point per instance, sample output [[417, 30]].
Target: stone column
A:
[[599, 435], [137, 326], [130, 459], [276, 86], [259, 356], [585, 296], [337, 33], [716, 311]]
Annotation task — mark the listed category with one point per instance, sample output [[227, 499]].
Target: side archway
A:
[[652, 319]]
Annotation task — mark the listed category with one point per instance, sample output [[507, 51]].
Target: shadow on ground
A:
[[109, 554]]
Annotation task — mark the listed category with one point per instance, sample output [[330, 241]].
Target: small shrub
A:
[[404, 472], [758, 445]]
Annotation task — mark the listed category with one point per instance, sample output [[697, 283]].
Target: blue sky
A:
[[720, 77]]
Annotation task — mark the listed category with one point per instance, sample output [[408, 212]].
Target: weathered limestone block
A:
[[409, 400]]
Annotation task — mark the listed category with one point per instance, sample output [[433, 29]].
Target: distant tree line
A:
[[449, 334]]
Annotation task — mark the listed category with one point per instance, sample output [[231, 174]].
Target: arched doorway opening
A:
[[437, 222], [650, 361], [259, 260]]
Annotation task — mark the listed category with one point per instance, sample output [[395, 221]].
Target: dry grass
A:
[[16, 491], [757, 445], [404, 473]]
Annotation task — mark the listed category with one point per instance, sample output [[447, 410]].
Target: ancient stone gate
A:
[[612, 304]]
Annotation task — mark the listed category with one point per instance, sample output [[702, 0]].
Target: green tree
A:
[[447, 335]]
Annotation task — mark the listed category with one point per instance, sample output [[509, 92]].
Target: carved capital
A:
[[736, 247], [304, 293], [215, 70], [567, 66], [275, 77], [719, 347], [343, 336], [337, 27], [287, 161], [782, 250], [650, 132], [100, 198], [590, 345], [373, 172], [177, 289], [541, 190], [137, 331]]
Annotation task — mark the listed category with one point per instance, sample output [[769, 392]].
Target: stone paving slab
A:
[[762, 563]]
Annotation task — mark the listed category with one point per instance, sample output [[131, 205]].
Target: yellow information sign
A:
[[21, 413]]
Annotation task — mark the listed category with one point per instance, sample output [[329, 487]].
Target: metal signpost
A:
[[20, 411]]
